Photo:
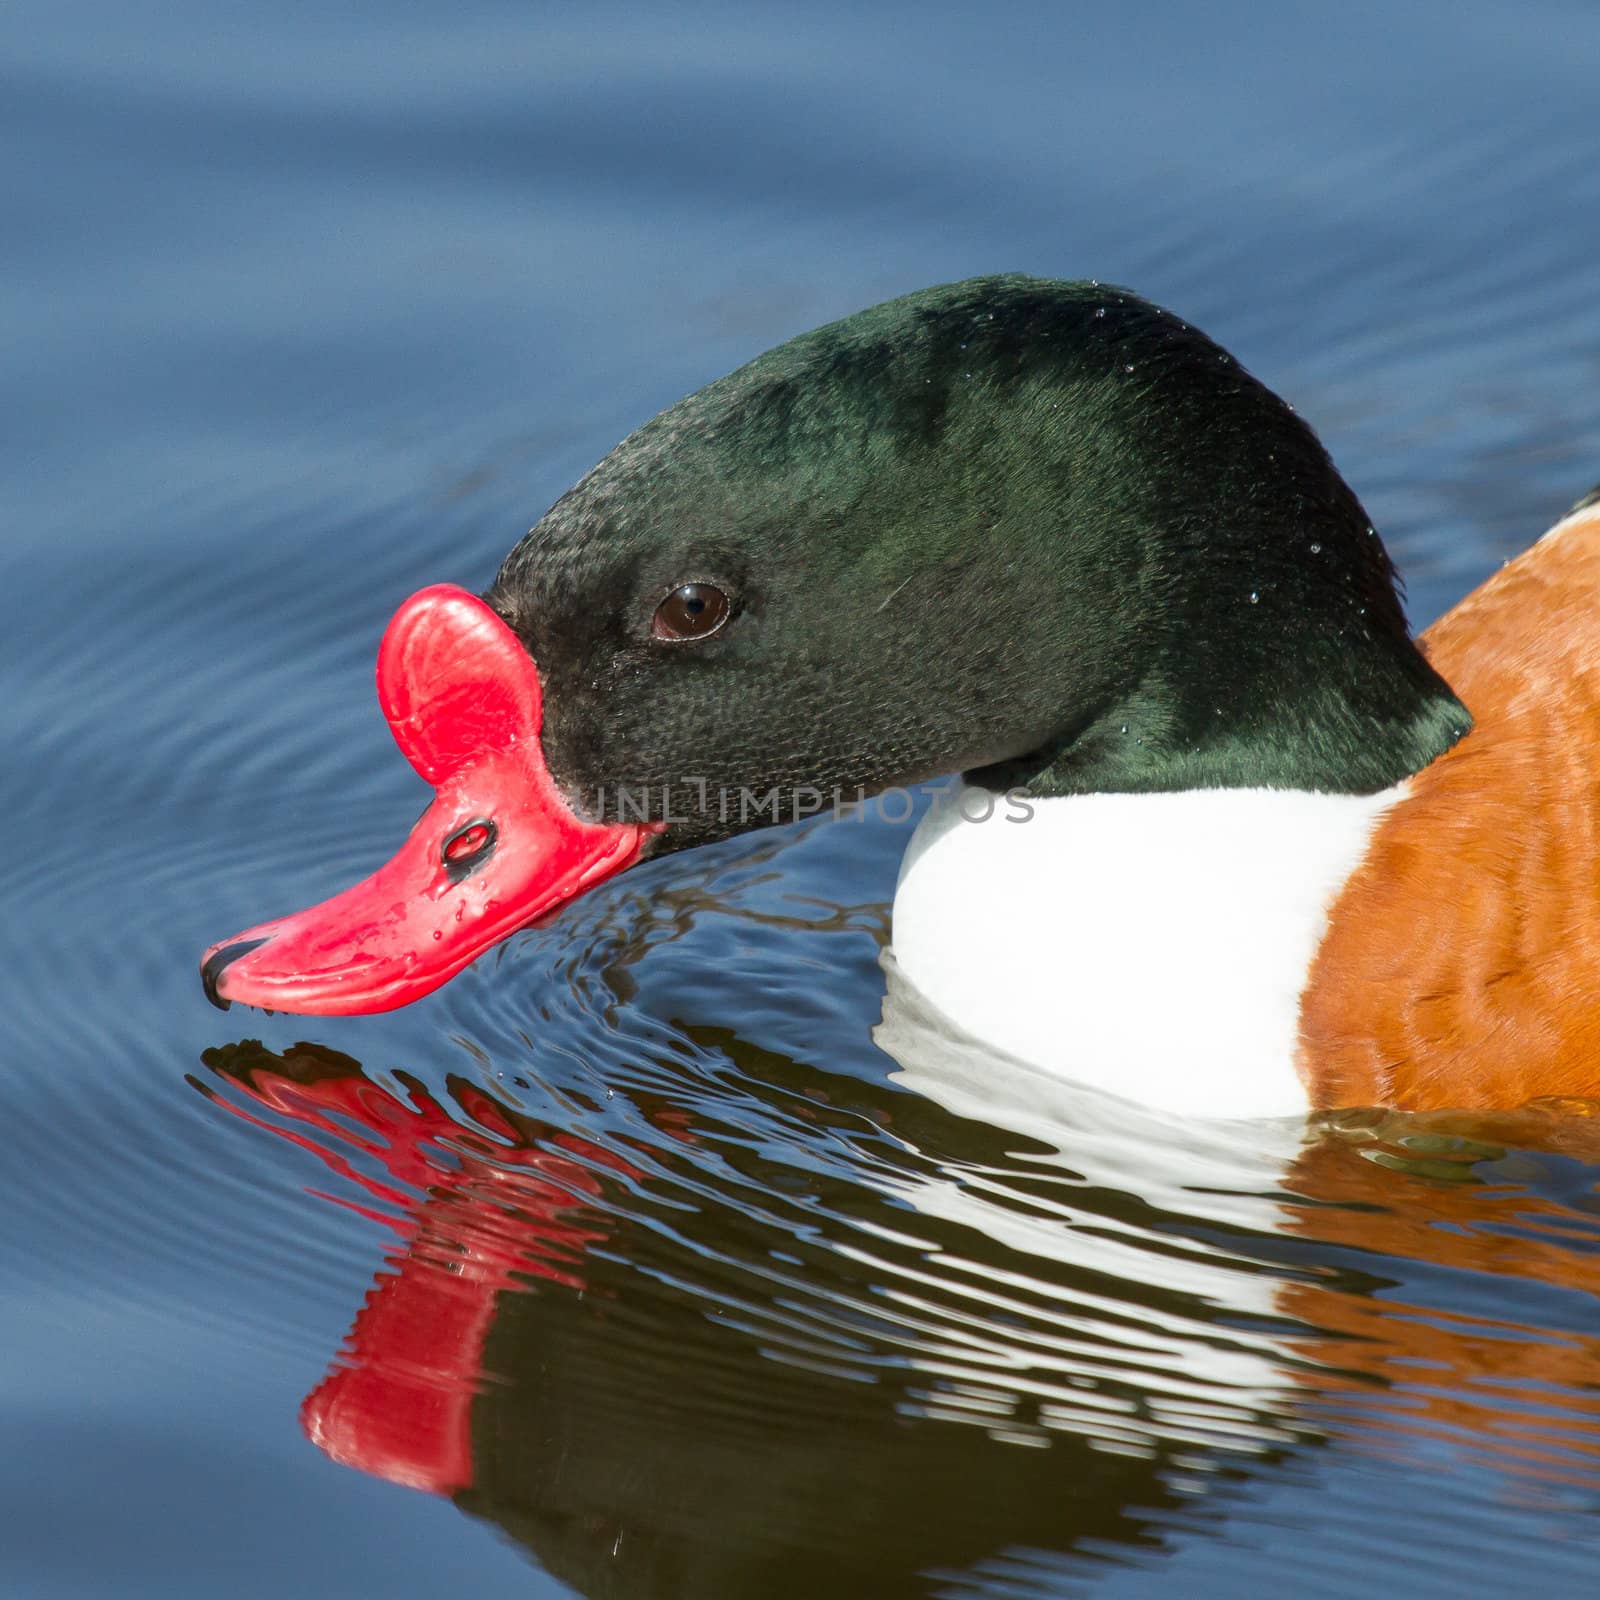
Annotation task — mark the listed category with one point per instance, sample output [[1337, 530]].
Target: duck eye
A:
[[691, 611], [467, 847]]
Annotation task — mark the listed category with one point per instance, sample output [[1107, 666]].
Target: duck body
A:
[[1265, 952], [1153, 945], [1052, 537], [1461, 963]]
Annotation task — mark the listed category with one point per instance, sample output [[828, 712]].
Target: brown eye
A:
[[691, 611]]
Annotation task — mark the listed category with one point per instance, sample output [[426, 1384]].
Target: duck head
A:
[[1044, 533]]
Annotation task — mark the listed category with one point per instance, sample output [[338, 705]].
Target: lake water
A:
[[632, 1264]]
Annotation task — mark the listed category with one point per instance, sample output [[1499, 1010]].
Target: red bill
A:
[[499, 847]]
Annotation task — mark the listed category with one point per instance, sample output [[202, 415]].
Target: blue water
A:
[[307, 307]]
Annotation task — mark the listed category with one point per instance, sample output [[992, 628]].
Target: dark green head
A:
[[1043, 532]]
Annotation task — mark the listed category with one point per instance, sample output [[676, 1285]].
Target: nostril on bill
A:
[[218, 962]]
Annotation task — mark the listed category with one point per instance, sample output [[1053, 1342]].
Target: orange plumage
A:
[[1461, 966]]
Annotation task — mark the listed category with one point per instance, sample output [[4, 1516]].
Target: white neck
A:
[[1154, 946]]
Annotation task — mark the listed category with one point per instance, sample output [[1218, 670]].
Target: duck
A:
[[1228, 839]]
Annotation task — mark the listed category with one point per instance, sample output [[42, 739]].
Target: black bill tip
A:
[[218, 962]]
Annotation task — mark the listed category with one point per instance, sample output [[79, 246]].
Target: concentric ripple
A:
[[672, 1244]]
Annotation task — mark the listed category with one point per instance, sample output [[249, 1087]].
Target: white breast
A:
[[1154, 946]]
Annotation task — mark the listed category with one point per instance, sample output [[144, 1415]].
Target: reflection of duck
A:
[[693, 1368], [1050, 535], [1338, 1191]]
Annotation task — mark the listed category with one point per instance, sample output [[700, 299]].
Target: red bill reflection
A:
[[497, 1211]]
